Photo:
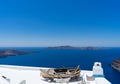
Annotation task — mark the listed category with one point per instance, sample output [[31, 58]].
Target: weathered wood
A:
[[58, 73]]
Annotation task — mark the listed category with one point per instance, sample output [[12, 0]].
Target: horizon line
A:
[[55, 46]]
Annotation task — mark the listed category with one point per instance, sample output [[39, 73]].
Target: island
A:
[[6, 53], [116, 64], [71, 47]]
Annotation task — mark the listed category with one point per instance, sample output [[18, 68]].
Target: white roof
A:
[[102, 81], [31, 75], [3, 81]]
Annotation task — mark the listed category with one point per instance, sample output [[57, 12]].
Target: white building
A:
[[31, 75]]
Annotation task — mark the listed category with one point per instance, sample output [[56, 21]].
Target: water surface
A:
[[42, 57]]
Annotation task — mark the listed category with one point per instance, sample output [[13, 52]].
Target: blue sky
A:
[[59, 22]]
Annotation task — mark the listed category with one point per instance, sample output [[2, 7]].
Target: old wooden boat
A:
[[60, 73]]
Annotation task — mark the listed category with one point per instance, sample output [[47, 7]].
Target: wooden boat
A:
[[60, 73]]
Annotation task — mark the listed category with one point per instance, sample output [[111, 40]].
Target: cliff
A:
[[6, 53], [116, 64]]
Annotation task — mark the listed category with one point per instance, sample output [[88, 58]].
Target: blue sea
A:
[[42, 57]]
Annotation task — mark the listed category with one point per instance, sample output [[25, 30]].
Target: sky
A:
[[37, 23]]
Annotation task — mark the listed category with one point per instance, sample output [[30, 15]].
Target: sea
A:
[[57, 58]]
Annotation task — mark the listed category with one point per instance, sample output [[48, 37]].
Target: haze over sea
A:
[[43, 57]]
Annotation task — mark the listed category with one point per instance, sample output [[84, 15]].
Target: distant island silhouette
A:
[[116, 64], [71, 47], [6, 53]]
